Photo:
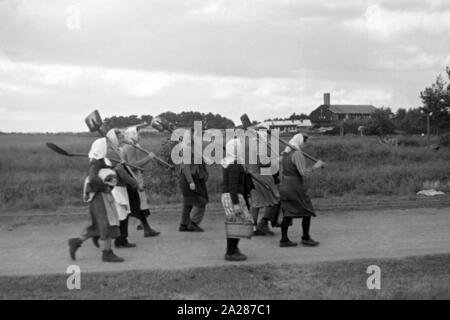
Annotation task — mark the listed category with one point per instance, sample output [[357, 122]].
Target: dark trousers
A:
[[198, 212]]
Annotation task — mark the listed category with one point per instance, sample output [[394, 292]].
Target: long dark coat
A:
[[198, 174], [295, 202]]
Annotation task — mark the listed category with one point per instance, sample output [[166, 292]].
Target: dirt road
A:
[[41, 247]]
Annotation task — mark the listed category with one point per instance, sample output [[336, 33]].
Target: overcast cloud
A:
[[265, 58]]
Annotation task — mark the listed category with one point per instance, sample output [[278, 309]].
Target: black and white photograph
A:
[[215, 153]]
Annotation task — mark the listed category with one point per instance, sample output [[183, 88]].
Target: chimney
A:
[[326, 99]]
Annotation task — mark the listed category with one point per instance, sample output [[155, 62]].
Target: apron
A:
[[142, 194], [122, 202]]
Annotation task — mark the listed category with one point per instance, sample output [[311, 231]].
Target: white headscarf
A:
[[99, 150], [132, 135], [113, 138], [234, 152], [296, 141]]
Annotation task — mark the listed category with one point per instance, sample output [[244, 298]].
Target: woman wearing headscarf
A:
[[102, 208], [120, 193], [193, 179], [125, 181], [140, 208], [265, 195], [294, 200], [233, 201]]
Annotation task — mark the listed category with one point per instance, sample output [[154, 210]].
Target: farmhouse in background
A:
[[288, 126], [328, 113]]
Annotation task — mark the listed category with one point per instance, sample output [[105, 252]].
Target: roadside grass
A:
[[35, 178], [424, 277]]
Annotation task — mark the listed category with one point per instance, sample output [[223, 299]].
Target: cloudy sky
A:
[[267, 58]]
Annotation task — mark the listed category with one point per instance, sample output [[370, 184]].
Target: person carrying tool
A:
[[263, 197], [295, 202], [98, 187], [138, 198]]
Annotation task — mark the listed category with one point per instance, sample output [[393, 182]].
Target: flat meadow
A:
[[34, 177]]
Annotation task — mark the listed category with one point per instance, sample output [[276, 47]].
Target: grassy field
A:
[[426, 277], [34, 177]]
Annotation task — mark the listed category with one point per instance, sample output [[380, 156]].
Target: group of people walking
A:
[[115, 193], [282, 198]]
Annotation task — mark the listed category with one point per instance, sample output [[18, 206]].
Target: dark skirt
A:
[[135, 205], [198, 197], [100, 226], [294, 200], [262, 197]]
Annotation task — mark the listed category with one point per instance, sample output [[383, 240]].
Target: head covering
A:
[[296, 141], [99, 149], [234, 152], [113, 138], [132, 135]]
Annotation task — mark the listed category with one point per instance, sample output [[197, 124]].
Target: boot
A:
[[151, 233], [74, 244], [193, 227], [148, 231], [259, 232], [308, 242], [236, 256], [109, 256], [183, 228], [123, 243], [287, 244]]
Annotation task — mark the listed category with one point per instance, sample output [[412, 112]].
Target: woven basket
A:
[[239, 230]]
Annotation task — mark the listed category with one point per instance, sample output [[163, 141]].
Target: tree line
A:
[[182, 119]]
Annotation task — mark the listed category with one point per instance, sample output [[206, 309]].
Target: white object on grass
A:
[[430, 193]]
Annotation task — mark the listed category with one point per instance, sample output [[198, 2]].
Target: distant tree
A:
[[182, 119], [413, 121], [187, 118], [169, 116], [146, 118], [121, 121], [381, 122], [400, 114], [436, 100]]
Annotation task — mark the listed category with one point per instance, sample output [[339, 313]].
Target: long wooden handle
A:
[[127, 164], [147, 152], [287, 144], [65, 153]]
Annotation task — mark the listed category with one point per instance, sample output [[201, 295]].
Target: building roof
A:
[[351, 109]]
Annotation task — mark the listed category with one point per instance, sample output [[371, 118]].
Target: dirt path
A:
[[41, 247]]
